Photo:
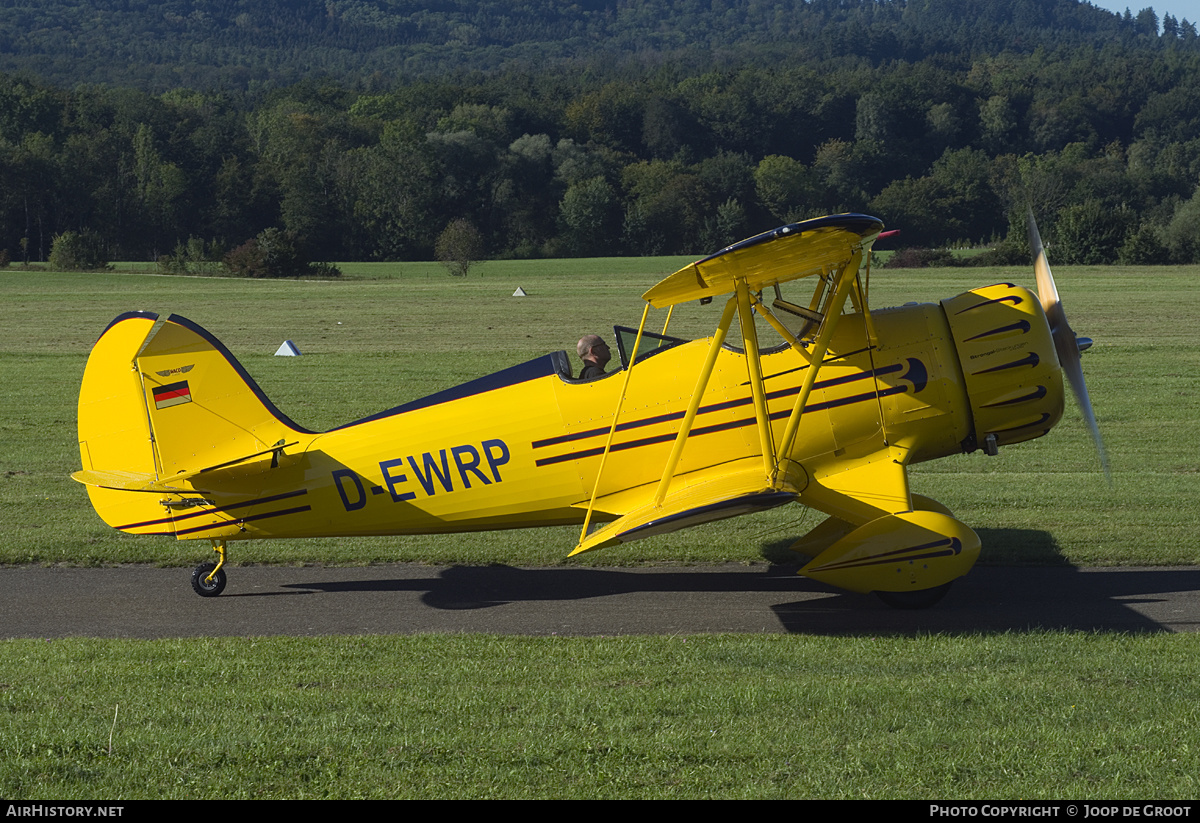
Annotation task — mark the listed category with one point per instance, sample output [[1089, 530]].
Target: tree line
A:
[[649, 157]]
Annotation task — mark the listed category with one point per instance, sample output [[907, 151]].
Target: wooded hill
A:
[[158, 45], [362, 128]]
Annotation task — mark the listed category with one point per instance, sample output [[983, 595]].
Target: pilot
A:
[[595, 355]]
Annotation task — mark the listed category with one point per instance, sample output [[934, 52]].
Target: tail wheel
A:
[[208, 580]]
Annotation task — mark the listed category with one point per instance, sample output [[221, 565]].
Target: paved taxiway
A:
[[147, 602]]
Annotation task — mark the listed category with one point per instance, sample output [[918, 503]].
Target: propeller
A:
[[1066, 343]]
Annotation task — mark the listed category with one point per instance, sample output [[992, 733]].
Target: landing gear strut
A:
[[208, 579]]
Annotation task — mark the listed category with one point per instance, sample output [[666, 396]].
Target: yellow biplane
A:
[[177, 439]]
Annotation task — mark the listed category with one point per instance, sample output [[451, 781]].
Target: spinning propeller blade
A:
[[1066, 343]]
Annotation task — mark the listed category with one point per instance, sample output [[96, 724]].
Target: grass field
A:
[[1000, 717], [1031, 715]]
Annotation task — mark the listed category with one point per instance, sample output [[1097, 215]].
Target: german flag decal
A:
[[172, 395]]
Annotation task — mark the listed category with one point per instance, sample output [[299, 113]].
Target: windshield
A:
[[651, 343]]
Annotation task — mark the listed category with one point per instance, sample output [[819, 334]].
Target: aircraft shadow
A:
[[995, 599], [990, 599]]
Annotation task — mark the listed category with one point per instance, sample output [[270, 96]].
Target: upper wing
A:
[[777, 256]]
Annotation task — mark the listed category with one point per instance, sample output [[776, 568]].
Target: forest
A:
[[361, 129]]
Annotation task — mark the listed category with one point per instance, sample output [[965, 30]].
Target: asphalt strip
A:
[[150, 602]]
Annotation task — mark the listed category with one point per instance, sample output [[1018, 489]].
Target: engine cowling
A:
[[1012, 374]]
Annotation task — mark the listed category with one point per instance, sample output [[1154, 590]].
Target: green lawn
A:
[[1057, 716]]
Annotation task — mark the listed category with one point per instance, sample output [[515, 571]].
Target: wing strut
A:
[[745, 303], [827, 247], [754, 373], [849, 274], [613, 428], [780, 329], [685, 427]]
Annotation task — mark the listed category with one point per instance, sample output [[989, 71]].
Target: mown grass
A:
[[1006, 716]]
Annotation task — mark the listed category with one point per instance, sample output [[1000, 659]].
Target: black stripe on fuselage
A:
[[251, 518], [714, 407], [214, 510], [700, 431]]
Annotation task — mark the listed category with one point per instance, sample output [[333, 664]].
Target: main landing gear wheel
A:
[[203, 584], [921, 599]]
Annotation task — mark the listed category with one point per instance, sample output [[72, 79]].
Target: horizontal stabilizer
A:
[[142, 482], [123, 480]]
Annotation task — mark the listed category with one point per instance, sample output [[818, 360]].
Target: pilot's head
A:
[[593, 349]]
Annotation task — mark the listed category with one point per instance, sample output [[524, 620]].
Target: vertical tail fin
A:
[[163, 399]]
